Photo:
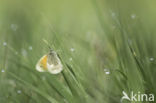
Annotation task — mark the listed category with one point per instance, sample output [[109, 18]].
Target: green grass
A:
[[106, 47]]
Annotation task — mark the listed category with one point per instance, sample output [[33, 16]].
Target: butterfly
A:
[[50, 63]]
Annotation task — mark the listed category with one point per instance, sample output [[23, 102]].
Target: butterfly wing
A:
[[41, 66], [54, 64], [55, 69]]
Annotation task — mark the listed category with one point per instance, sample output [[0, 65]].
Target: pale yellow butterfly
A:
[[50, 63]]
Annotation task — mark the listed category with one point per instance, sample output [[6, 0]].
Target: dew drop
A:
[[72, 49], [19, 91], [14, 27], [30, 48], [2, 70], [4, 43], [151, 59], [107, 71], [133, 16], [24, 52]]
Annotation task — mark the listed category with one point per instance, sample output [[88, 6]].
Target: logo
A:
[[137, 97]]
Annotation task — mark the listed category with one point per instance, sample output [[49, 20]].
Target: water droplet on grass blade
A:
[[133, 16], [2, 70], [4, 43], [19, 91], [151, 59], [72, 49], [24, 52], [30, 48], [107, 71], [14, 27]]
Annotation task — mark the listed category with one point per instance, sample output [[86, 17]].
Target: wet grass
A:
[[106, 47]]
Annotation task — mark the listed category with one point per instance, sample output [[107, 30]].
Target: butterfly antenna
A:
[[46, 42]]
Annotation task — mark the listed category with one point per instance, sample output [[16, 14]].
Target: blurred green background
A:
[[106, 47]]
